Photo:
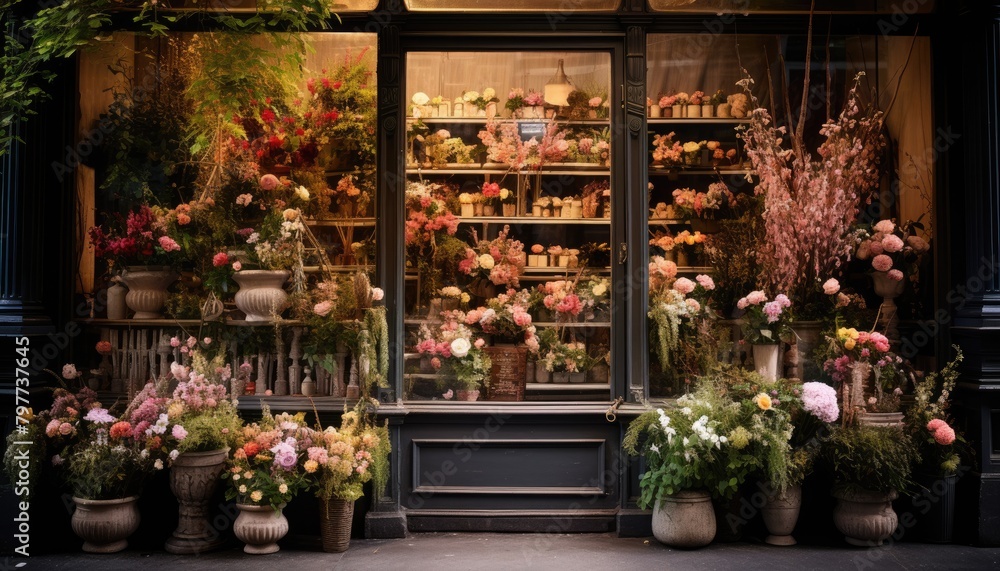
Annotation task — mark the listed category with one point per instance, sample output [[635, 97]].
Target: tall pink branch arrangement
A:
[[811, 200]]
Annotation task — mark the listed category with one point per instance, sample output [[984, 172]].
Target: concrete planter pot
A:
[[193, 478], [865, 518], [104, 525], [685, 519], [260, 528], [261, 296], [781, 513]]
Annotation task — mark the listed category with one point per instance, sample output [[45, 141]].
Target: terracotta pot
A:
[[685, 519], [104, 525], [335, 518], [467, 395], [193, 478], [765, 360], [261, 296], [260, 528], [147, 291], [781, 513], [865, 518], [489, 210]]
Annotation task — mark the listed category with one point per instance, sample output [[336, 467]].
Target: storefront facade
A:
[[548, 456]]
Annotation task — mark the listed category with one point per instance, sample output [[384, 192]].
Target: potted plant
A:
[[689, 459], [452, 350], [144, 248], [193, 427], [871, 466], [939, 445], [508, 201], [265, 472], [766, 322], [272, 250], [869, 375], [497, 262], [339, 463]]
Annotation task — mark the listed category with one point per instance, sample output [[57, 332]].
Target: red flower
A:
[[274, 142], [267, 116], [326, 83], [337, 84], [120, 430], [220, 259], [251, 449], [300, 131]]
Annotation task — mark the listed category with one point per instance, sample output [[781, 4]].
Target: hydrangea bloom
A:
[[820, 400], [99, 415]]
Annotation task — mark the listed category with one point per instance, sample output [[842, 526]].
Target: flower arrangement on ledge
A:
[[453, 350], [147, 236], [499, 261], [690, 203]]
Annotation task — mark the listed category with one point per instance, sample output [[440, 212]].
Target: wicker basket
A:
[[335, 518]]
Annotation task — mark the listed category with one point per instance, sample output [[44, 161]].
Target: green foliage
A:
[[733, 248], [59, 32], [211, 430], [874, 458], [932, 397], [104, 472]]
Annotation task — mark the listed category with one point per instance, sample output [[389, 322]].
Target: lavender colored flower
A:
[[99, 415], [820, 400], [284, 454]]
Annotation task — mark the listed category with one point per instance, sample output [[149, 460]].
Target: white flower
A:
[[654, 448], [489, 93], [302, 192], [377, 294], [158, 464], [486, 262], [420, 98], [236, 477], [686, 410], [144, 453], [460, 347], [174, 454]]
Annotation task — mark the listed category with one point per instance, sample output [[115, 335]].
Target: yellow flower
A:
[[243, 489], [465, 297], [248, 474], [290, 214], [762, 401], [311, 466], [256, 495], [849, 344], [175, 410], [283, 489]]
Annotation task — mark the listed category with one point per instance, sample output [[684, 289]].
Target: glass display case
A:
[[508, 230]]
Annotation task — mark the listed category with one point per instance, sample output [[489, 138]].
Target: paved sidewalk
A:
[[579, 552]]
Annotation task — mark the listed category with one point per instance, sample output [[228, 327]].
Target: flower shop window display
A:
[[431, 246], [895, 252], [481, 104], [144, 250], [97, 455], [681, 319], [265, 471], [193, 427], [766, 323]]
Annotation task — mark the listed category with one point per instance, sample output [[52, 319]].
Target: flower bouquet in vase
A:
[[508, 201], [497, 262], [766, 322]]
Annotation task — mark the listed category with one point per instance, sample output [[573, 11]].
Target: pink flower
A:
[[944, 435], [772, 310], [594, 102], [875, 247], [756, 297], [377, 294], [269, 182], [880, 341], [323, 308], [192, 341], [831, 286], [175, 342], [220, 259], [820, 400], [782, 300], [480, 343], [684, 286], [168, 244], [207, 341], [895, 275], [178, 432], [936, 424], [436, 363], [237, 266], [885, 226], [742, 303], [882, 263], [705, 281], [892, 243]]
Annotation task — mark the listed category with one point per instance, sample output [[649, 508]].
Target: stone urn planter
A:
[[260, 528], [685, 519], [865, 518], [261, 296], [147, 290], [888, 289], [781, 513], [104, 525], [193, 478]]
